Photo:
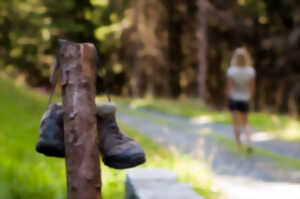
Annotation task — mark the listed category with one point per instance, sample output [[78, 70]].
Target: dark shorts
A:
[[238, 105]]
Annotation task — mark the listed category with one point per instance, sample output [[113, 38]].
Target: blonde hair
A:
[[241, 57]]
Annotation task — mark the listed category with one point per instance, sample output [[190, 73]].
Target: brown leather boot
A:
[[51, 141], [118, 151]]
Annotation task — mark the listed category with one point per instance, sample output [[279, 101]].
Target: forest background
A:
[[161, 48]]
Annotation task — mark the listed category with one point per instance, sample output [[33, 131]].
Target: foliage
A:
[[149, 48], [31, 28]]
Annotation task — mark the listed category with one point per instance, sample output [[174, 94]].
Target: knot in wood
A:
[[72, 115], [98, 187]]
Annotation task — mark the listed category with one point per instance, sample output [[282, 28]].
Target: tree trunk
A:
[[135, 80], [80, 128], [174, 48], [202, 47]]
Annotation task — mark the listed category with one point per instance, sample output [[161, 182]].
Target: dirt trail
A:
[[237, 176]]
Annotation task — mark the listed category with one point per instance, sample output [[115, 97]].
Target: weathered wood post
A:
[[78, 66]]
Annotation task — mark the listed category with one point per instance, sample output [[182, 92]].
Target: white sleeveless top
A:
[[241, 77]]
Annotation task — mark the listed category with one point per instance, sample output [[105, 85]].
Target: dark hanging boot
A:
[[118, 151], [51, 142]]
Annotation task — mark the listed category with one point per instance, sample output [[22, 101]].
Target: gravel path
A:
[[238, 177]]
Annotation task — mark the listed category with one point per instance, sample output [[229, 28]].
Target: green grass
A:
[[26, 174], [23, 172], [281, 126]]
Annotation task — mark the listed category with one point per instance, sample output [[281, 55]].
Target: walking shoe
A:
[[249, 150], [118, 151], [51, 141]]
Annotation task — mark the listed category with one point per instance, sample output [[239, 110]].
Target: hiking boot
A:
[[118, 151], [51, 141]]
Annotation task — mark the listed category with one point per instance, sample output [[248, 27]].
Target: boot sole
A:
[[49, 150], [119, 162]]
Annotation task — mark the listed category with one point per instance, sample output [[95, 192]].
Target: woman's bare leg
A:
[[244, 117], [237, 129]]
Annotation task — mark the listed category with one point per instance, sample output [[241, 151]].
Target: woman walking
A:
[[240, 93]]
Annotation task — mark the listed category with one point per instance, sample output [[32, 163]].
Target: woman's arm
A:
[[228, 89], [252, 89]]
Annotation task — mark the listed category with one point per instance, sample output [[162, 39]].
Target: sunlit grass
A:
[[26, 174], [23, 172]]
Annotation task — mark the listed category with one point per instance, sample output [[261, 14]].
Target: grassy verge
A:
[[230, 145], [280, 160], [27, 174], [281, 126], [23, 172]]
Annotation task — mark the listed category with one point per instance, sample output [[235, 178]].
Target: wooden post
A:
[[78, 65]]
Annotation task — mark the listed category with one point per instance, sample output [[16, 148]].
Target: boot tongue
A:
[[106, 109], [54, 106]]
